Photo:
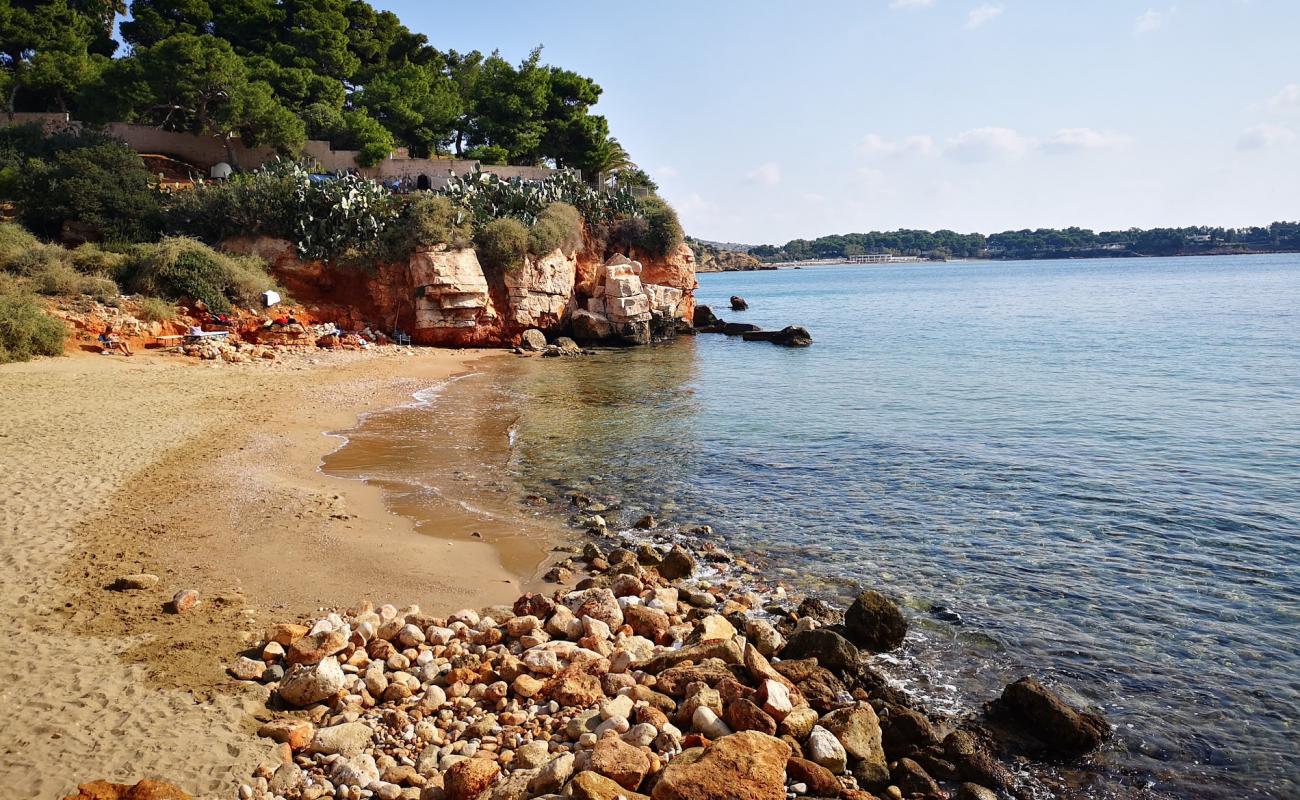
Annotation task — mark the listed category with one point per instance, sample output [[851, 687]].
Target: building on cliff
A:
[[205, 152]]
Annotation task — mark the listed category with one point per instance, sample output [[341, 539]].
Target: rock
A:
[[742, 766], [573, 687], [297, 733], [677, 564], [184, 600], [824, 749], [738, 328], [140, 580], [313, 647], [973, 791], [713, 626], [974, 762], [533, 340], [1062, 729], [347, 740], [743, 715], [359, 771], [247, 669], [305, 684], [593, 786], [532, 755], [789, 336], [875, 623], [286, 780], [646, 522], [726, 650], [468, 779], [284, 633], [527, 686], [820, 781], [764, 637], [798, 723], [598, 604], [858, 729], [649, 622], [619, 761], [705, 318], [738, 303], [905, 731], [144, 790], [831, 650], [589, 326], [706, 721], [912, 778], [553, 775]]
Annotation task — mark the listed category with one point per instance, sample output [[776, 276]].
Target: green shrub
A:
[[26, 330], [16, 245], [101, 185], [179, 268], [427, 221], [558, 227], [663, 232], [56, 278], [101, 289], [502, 244], [155, 309], [91, 259]]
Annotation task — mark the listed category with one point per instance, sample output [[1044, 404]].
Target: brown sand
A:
[[206, 476]]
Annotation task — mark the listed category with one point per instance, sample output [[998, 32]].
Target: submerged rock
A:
[[789, 336], [738, 303], [1041, 714], [705, 318]]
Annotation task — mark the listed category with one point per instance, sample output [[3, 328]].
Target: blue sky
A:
[[764, 121]]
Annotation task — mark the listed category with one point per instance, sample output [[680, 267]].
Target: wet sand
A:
[[206, 476]]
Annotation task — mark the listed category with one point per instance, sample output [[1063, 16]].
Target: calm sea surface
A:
[[1095, 464]]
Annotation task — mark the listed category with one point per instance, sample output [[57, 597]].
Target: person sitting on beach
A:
[[112, 343]]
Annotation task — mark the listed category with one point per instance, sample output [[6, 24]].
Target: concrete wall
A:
[[205, 151]]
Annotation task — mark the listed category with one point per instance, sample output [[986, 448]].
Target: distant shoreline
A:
[[838, 262]]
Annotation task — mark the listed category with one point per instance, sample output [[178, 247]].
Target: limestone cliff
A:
[[441, 296]]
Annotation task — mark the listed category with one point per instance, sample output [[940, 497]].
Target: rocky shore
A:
[[669, 671]]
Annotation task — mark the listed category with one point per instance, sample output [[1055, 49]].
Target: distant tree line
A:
[[275, 72], [1041, 243]]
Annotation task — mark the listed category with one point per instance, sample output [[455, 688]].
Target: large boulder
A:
[[875, 623], [451, 292], [1041, 714], [468, 779], [589, 327], [858, 729], [742, 766], [705, 318], [305, 684], [831, 650], [532, 340]]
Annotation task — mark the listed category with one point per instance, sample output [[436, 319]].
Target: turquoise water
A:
[[1095, 464]]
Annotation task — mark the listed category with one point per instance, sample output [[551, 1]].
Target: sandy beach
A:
[[207, 477]]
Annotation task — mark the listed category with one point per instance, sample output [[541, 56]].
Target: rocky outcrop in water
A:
[[444, 296]]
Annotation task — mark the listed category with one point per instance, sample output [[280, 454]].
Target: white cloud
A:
[[1152, 20], [767, 174], [1068, 140], [1289, 97], [987, 144], [874, 145], [911, 3], [982, 14], [1264, 137]]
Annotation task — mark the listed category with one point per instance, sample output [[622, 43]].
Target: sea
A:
[[1084, 470]]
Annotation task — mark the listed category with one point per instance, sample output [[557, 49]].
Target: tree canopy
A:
[[275, 72]]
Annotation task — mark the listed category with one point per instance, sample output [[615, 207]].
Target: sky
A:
[[764, 121]]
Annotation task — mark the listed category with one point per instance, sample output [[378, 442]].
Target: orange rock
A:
[[468, 779], [742, 766], [297, 733], [144, 790], [284, 633]]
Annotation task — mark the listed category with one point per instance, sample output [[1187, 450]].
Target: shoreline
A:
[[209, 478]]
